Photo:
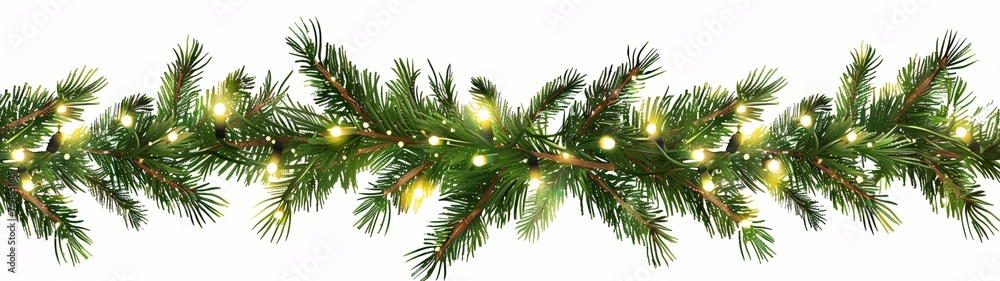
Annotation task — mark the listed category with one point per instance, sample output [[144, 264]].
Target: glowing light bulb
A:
[[607, 143], [534, 183], [127, 120], [860, 179], [272, 168], [61, 109], [708, 186], [773, 165], [172, 137], [869, 145], [483, 114], [219, 109], [434, 140], [651, 129], [401, 144], [17, 154], [698, 155], [961, 132], [746, 223], [565, 155], [479, 160], [28, 185], [806, 121], [852, 136], [418, 193], [278, 214], [66, 156], [336, 131], [746, 156], [741, 109]]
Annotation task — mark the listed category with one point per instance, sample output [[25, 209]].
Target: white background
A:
[[519, 47]]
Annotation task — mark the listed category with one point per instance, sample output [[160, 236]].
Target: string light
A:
[[852, 136], [220, 120], [172, 137], [746, 156], [61, 109], [418, 193], [961, 132], [806, 121], [870, 145], [27, 184], [483, 114], [479, 160], [336, 131], [126, 120], [565, 155], [736, 140], [55, 141], [219, 109], [400, 144], [706, 181], [276, 150], [66, 156], [434, 140], [745, 223], [773, 165], [651, 129], [741, 109], [534, 173], [698, 155], [607, 143], [17, 154], [278, 214]]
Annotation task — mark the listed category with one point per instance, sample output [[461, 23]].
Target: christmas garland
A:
[[630, 160]]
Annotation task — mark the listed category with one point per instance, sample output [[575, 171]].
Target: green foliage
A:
[[686, 154]]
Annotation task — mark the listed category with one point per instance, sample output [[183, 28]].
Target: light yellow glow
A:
[[479, 160], [651, 129], [17, 154], [61, 109], [741, 109], [806, 121], [852, 136], [219, 109], [698, 155], [127, 121], [961, 132], [483, 114], [607, 143], [773, 165], [272, 168], [172, 137], [434, 140]]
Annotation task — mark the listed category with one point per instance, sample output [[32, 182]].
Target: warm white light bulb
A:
[[607, 143], [483, 114], [28, 185], [869, 145], [336, 131], [418, 193], [741, 109], [172, 137], [279, 214], [773, 165], [565, 155], [17, 154], [434, 140], [272, 168], [651, 129], [66, 156], [698, 155], [127, 120], [400, 144], [708, 186], [479, 160], [961, 132], [806, 121], [61, 109], [219, 109], [745, 223], [534, 183], [746, 156], [852, 136]]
